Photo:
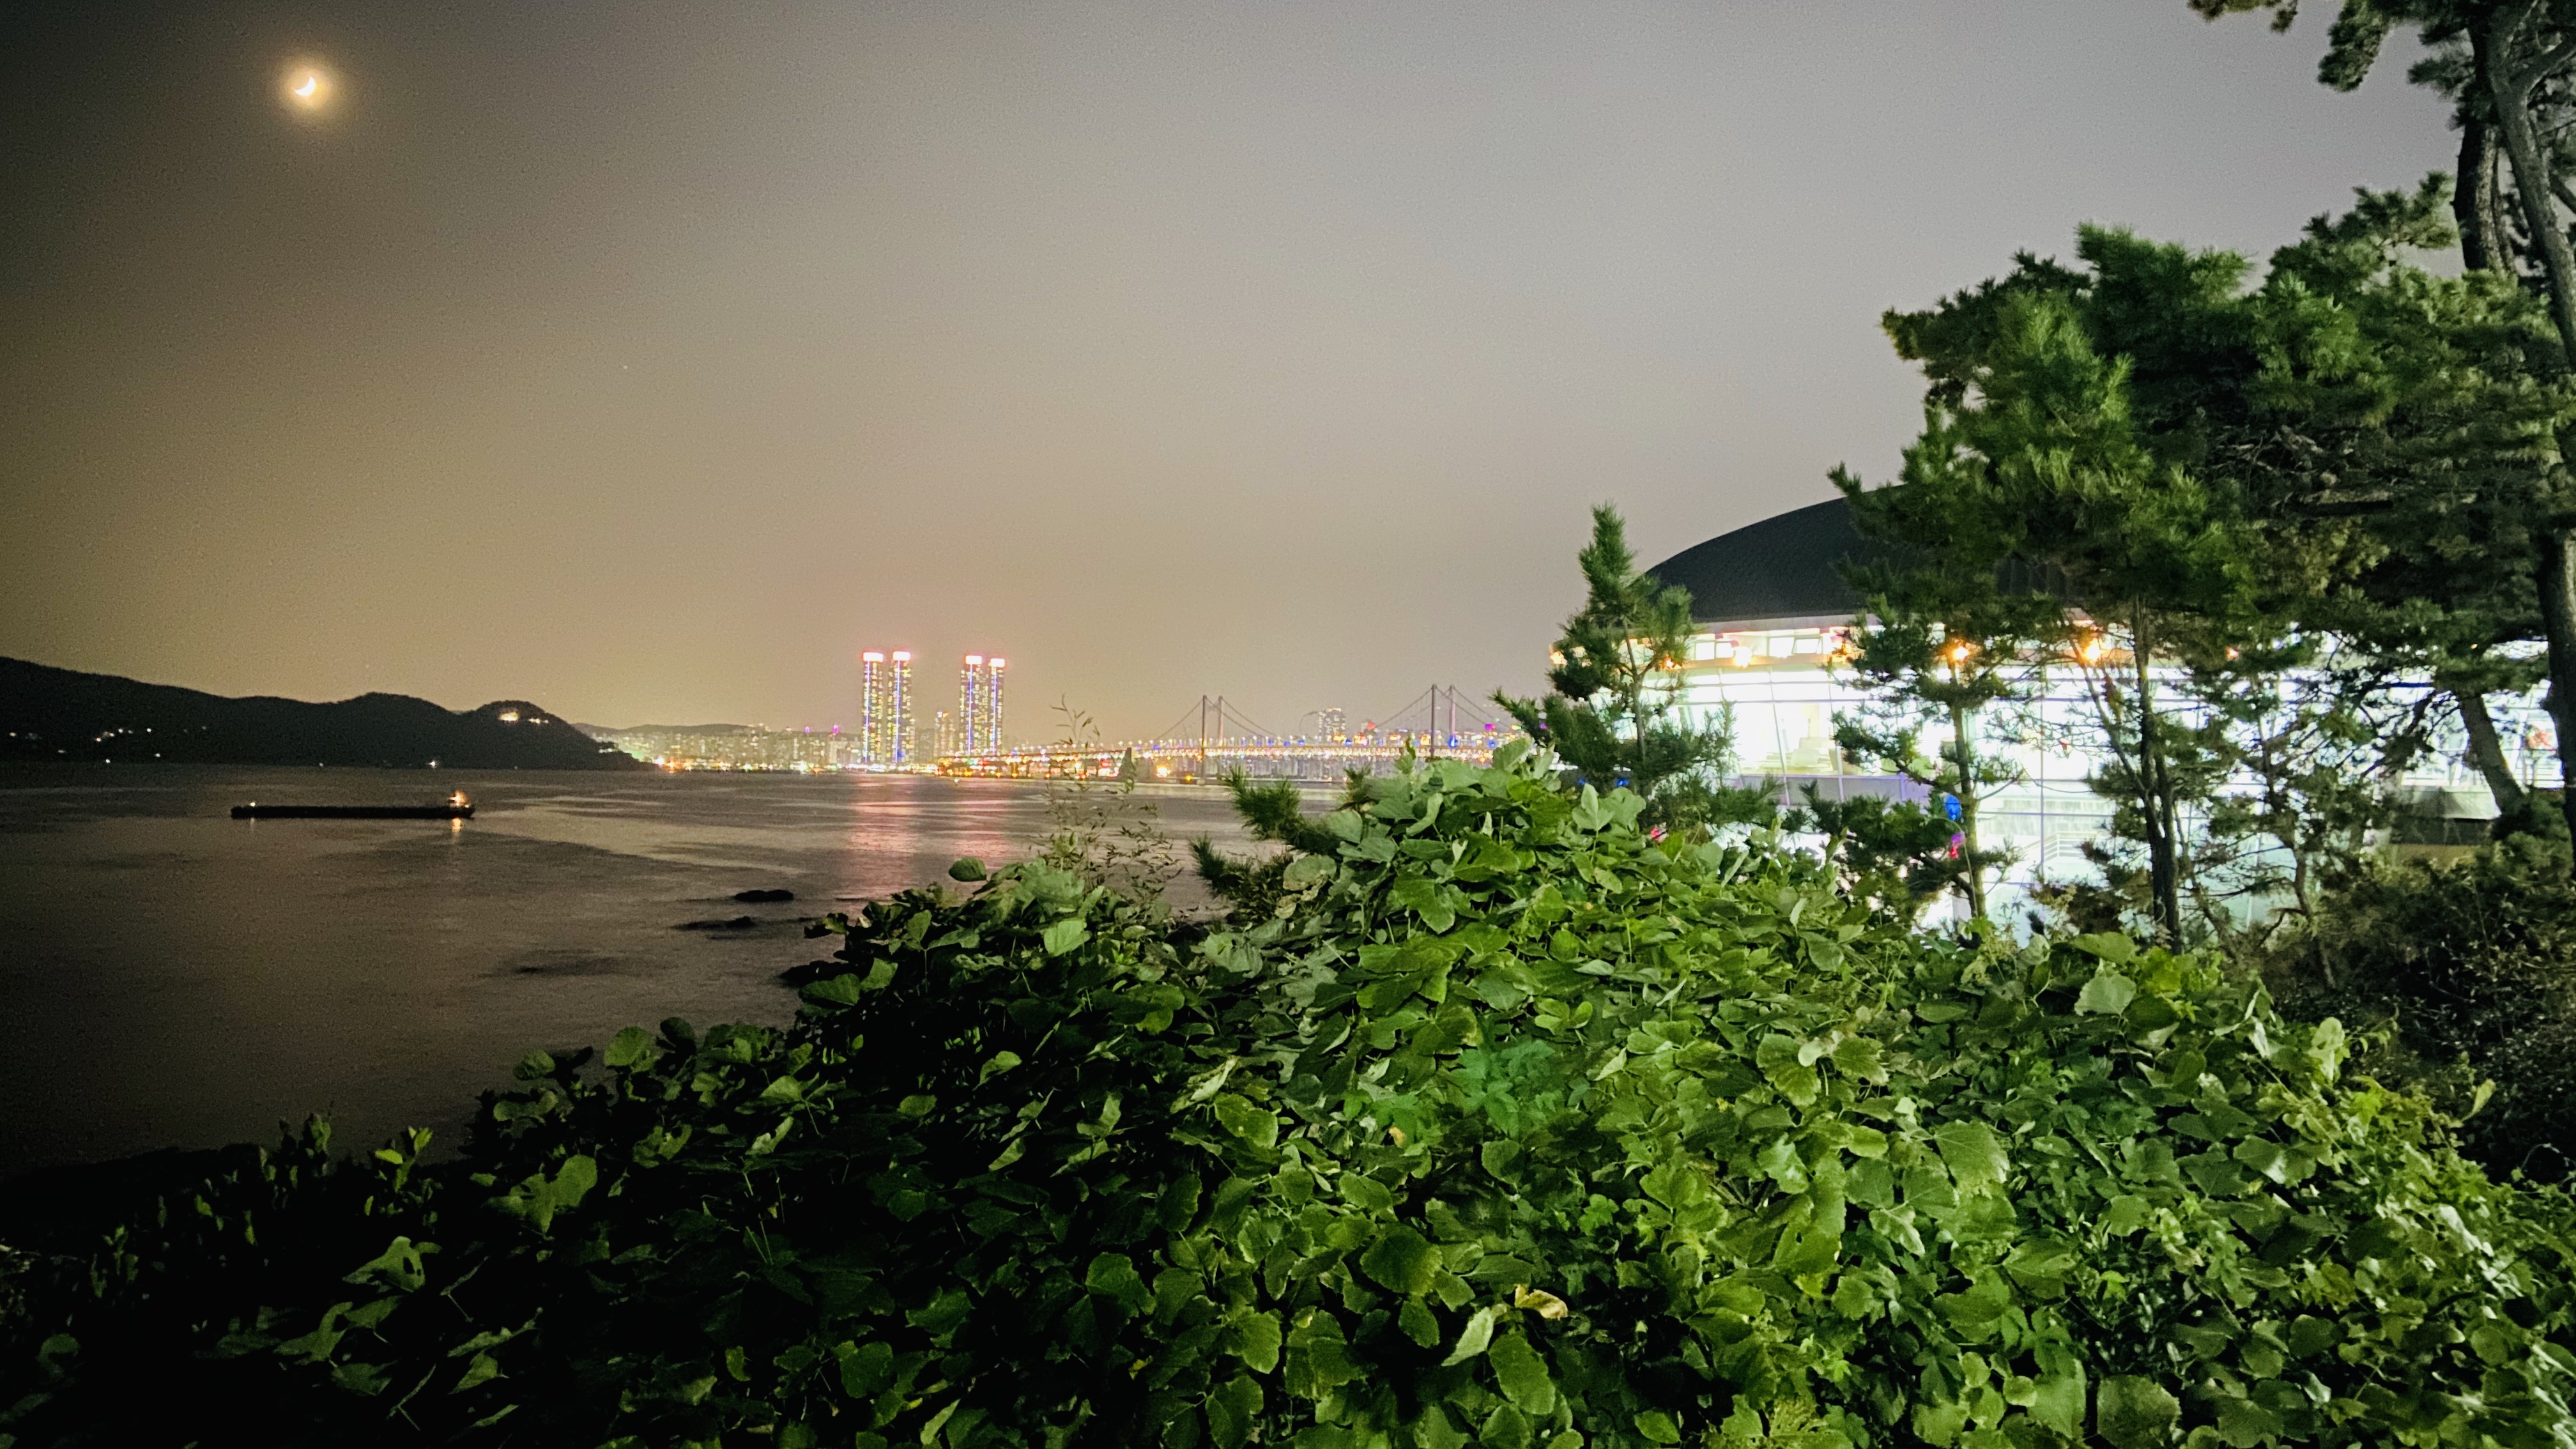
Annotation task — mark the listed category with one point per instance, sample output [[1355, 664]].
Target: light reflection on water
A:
[[171, 976]]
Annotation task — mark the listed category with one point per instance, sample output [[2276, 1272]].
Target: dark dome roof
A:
[[1775, 571]]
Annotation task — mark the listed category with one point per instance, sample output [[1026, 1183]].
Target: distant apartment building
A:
[[885, 708], [943, 734], [979, 705]]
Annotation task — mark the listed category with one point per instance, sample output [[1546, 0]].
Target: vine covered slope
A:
[[1514, 1126]]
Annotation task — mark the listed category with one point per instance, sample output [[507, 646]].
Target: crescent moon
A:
[[311, 84]]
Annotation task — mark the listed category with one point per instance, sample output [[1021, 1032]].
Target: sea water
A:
[[170, 976]]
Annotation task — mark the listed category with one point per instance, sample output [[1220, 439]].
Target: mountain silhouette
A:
[[63, 714]]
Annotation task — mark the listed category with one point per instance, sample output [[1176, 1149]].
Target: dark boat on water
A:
[[456, 808]]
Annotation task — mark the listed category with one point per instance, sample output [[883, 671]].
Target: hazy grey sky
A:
[[651, 360]]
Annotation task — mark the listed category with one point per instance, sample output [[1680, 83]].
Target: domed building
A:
[[1773, 610]]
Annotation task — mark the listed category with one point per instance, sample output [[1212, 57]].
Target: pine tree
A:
[[1614, 715], [1945, 637], [2510, 67]]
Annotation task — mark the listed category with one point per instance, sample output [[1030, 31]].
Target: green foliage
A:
[[2508, 67], [1256, 889], [2471, 966], [1614, 715], [2274, 511], [1519, 1127], [2044, 454], [1944, 635], [1892, 855], [1104, 831]]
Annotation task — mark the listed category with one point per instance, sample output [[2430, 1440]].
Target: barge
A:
[[456, 808]]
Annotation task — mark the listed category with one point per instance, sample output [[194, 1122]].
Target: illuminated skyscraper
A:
[[872, 689], [943, 734], [979, 704], [899, 727], [885, 708]]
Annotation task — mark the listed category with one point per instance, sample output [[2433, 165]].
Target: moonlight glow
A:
[[306, 88]]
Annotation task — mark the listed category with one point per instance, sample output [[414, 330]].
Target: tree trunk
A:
[[2558, 617], [2474, 202], [2155, 798], [2486, 752], [2531, 174], [2511, 88], [1964, 754]]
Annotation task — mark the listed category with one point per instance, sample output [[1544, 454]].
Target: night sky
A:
[[651, 360]]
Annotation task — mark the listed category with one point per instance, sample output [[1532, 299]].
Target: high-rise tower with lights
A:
[[885, 708], [979, 704], [898, 744]]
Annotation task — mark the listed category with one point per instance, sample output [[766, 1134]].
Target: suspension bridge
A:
[[1213, 739]]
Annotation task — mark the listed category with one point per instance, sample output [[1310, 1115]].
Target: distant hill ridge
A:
[[63, 714], [610, 732]]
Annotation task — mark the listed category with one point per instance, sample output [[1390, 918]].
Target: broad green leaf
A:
[[2135, 1413], [1434, 1431], [539, 1198], [632, 1048], [1114, 1275], [1308, 870], [2107, 994], [842, 990], [2108, 945], [1858, 1056], [1256, 1339], [1974, 1155], [1402, 1260], [1062, 936], [1505, 1428], [2264, 1156], [1416, 1320], [1256, 1125], [2245, 1424], [865, 1369], [1523, 1375], [399, 1266], [1233, 1408], [1473, 1339]]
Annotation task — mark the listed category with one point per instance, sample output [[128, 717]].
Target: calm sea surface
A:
[[173, 977]]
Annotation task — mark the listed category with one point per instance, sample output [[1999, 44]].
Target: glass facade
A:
[[1781, 691]]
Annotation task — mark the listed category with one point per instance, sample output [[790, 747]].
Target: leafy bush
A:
[[2471, 966], [1516, 1126]]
